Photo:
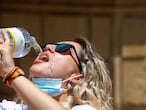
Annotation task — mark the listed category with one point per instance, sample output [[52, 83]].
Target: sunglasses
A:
[[64, 47]]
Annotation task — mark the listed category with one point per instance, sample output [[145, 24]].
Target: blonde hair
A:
[[95, 88]]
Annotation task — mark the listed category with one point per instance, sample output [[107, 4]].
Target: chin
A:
[[33, 71], [37, 71]]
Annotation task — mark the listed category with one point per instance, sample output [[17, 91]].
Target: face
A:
[[55, 63]]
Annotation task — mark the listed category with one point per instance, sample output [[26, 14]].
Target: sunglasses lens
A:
[[62, 47]]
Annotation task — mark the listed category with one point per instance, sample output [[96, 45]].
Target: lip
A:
[[37, 61]]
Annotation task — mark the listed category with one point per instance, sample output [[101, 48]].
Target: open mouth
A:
[[42, 58]]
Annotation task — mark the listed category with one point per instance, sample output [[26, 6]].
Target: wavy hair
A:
[[95, 88]]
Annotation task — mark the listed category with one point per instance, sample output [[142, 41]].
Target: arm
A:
[[32, 96]]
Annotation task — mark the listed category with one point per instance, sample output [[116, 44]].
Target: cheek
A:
[[64, 66], [39, 70]]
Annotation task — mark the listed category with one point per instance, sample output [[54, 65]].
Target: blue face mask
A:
[[52, 86]]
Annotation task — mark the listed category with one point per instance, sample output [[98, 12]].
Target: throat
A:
[[62, 97]]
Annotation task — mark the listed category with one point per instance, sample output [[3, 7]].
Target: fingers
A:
[[6, 39], [1, 37], [6, 60], [1, 41]]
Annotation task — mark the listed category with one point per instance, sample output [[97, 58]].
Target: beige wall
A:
[[109, 24]]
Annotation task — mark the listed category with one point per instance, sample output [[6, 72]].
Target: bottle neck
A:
[[36, 45]]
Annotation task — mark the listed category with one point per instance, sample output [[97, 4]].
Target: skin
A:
[[47, 64], [56, 63]]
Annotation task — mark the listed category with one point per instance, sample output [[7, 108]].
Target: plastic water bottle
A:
[[21, 41]]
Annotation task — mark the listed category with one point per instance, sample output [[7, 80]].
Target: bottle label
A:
[[21, 41], [18, 41]]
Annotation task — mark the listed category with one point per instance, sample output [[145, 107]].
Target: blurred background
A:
[[116, 27]]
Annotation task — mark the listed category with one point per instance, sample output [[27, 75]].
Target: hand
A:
[[6, 58]]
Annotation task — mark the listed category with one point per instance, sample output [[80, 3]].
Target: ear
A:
[[75, 78]]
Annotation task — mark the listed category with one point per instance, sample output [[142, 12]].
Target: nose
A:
[[50, 48]]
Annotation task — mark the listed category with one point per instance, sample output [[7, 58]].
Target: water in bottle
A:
[[21, 41]]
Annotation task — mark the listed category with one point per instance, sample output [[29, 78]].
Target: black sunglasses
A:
[[64, 47]]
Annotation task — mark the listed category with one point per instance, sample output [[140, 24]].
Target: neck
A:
[[62, 97]]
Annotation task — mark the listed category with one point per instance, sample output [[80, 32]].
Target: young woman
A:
[[67, 75]]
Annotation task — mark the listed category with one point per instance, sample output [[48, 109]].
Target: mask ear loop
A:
[[69, 86], [80, 75]]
